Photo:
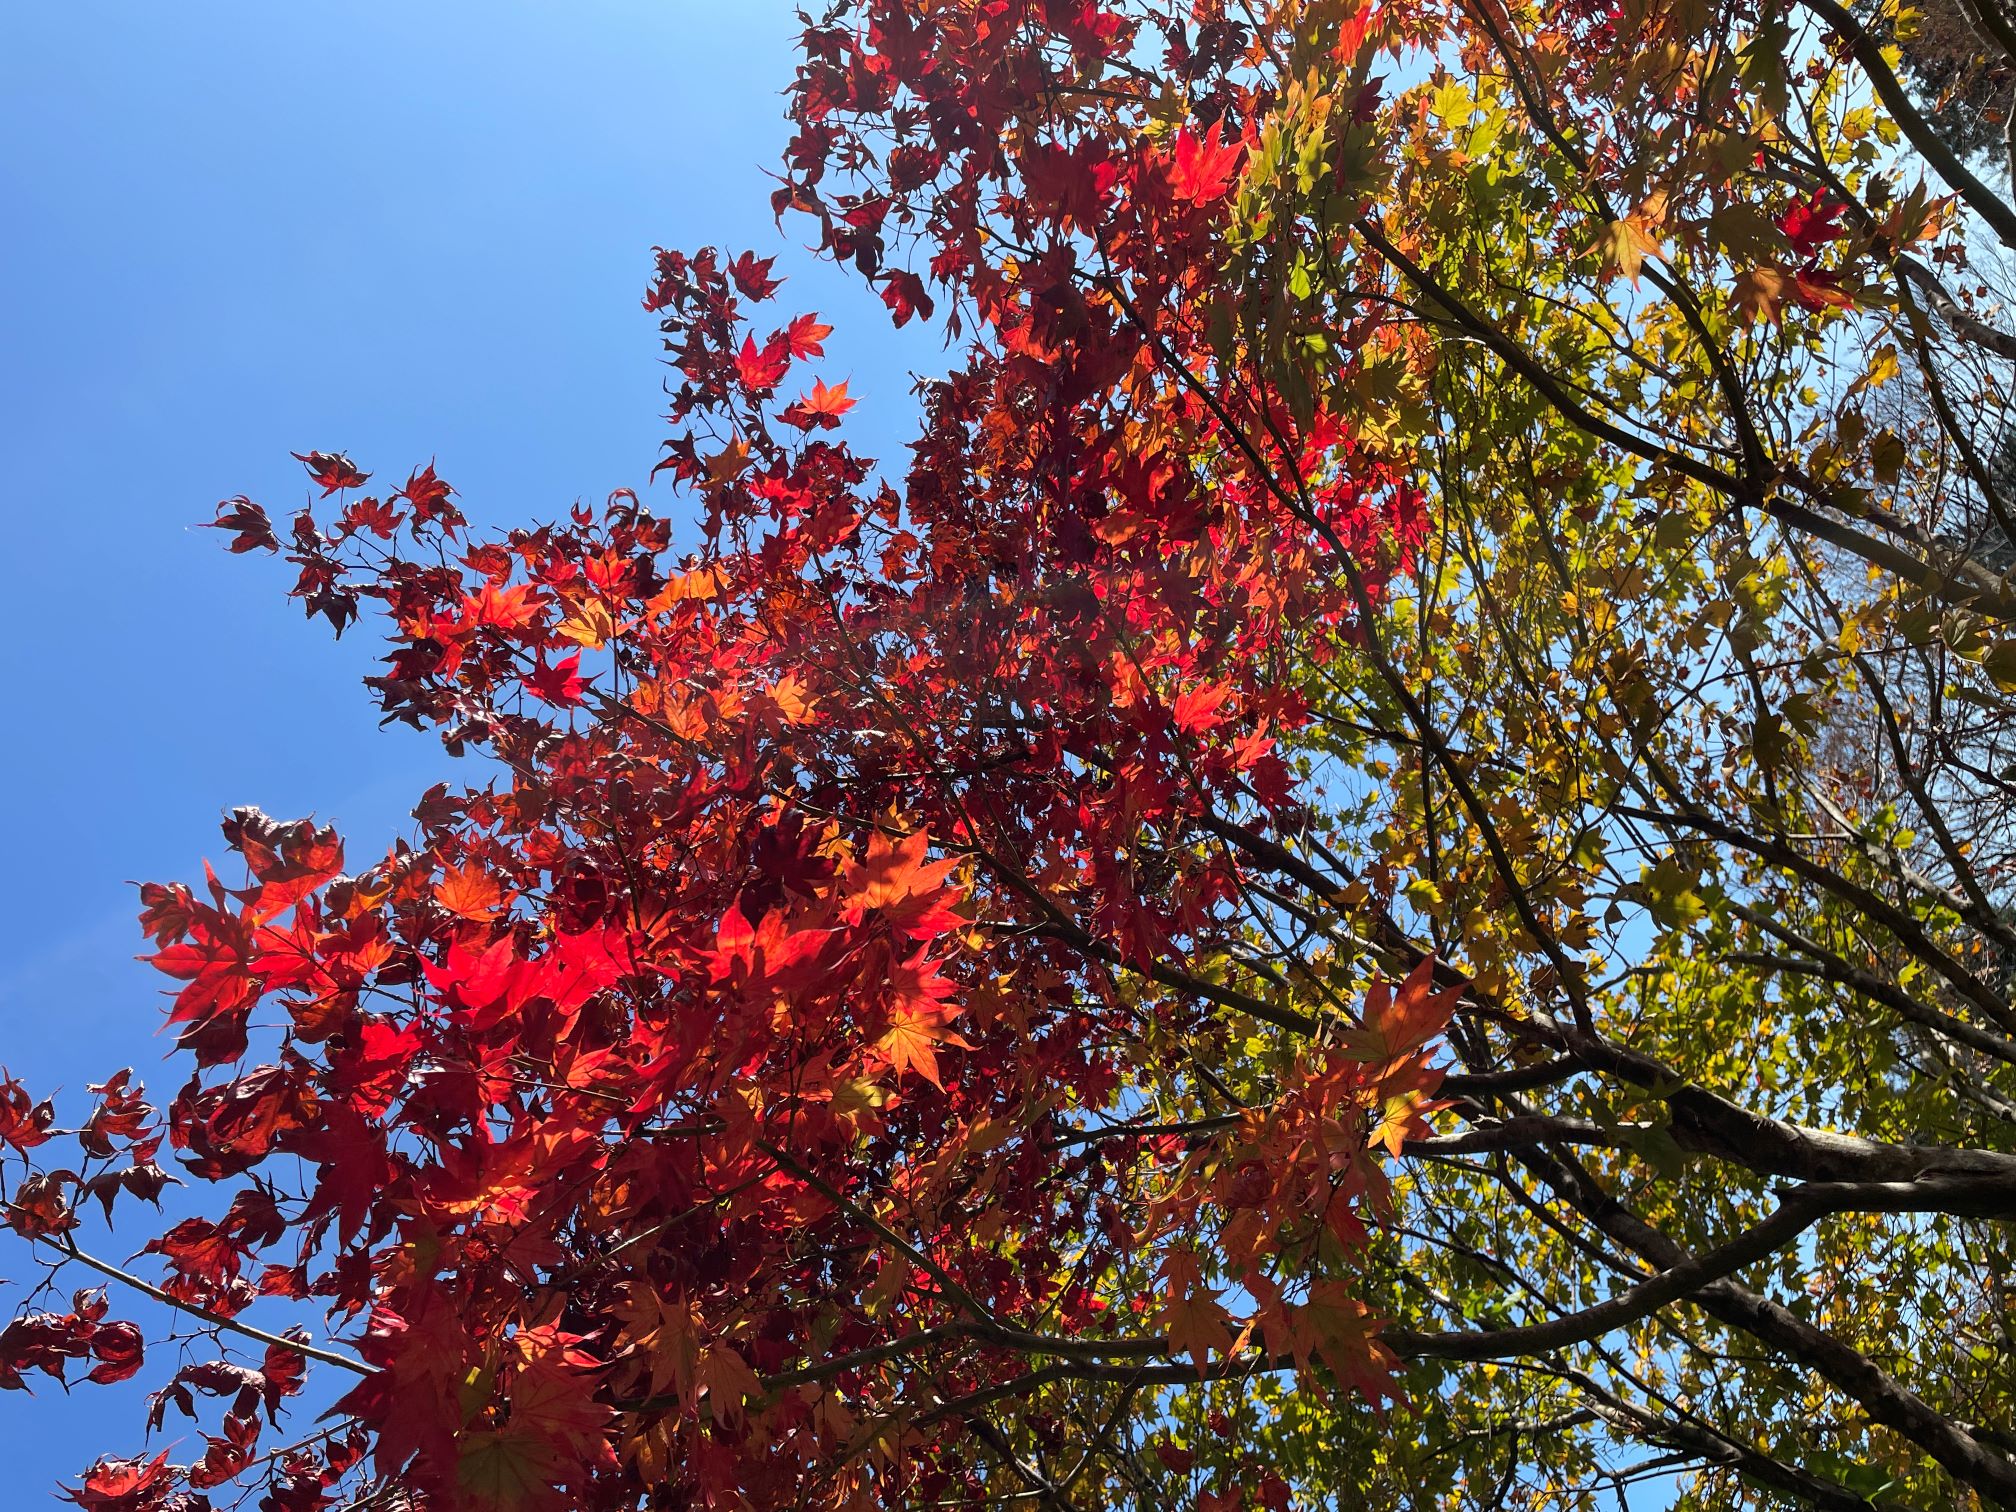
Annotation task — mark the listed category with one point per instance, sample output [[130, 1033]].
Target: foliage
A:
[[1385, 876]]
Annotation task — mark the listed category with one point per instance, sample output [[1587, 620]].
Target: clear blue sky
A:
[[235, 230]]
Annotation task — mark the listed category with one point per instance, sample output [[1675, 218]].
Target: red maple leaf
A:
[[561, 683], [428, 497], [753, 277], [332, 470], [124, 1485], [24, 1123], [1812, 223], [254, 532], [762, 368], [1198, 710], [905, 295], [1201, 169]]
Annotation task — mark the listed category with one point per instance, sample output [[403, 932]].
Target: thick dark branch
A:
[[1887, 1401], [1982, 200], [1963, 323]]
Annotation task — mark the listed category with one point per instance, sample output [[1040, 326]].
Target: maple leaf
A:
[[1192, 1317], [1119, 527], [372, 1072], [560, 684], [794, 703], [46, 1341], [663, 1330], [700, 584], [1812, 223], [905, 295], [821, 409], [591, 625], [1201, 168], [332, 470], [1343, 1332], [726, 465], [1761, 293], [120, 1349], [254, 531], [1398, 1022], [24, 1123], [373, 514], [1355, 29], [726, 1379], [911, 1042], [806, 336], [123, 1485], [1817, 290], [753, 278], [1198, 710], [503, 608], [558, 1404], [353, 1166], [771, 953], [1625, 244], [762, 368], [895, 870], [1402, 1116], [199, 1250], [427, 495], [506, 1469], [469, 892]]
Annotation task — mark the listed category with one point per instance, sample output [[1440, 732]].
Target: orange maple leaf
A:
[[909, 890], [911, 1042], [1760, 294], [1192, 1318], [1344, 1333], [728, 1381], [1398, 1023], [828, 401], [469, 892]]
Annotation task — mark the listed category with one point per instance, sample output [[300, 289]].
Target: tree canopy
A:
[[1381, 871]]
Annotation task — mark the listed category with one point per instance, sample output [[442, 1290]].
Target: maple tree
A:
[[1383, 869]]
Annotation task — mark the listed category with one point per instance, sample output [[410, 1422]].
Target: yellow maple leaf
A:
[[794, 700], [727, 464], [1625, 244], [590, 625]]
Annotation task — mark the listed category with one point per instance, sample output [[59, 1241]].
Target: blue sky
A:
[[237, 230]]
